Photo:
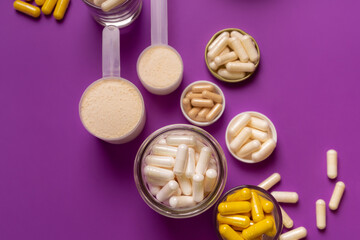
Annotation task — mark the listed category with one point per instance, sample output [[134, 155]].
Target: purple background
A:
[[58, 182]]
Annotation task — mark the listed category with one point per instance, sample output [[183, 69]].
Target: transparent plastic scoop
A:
[[159, 22], [111, 52]]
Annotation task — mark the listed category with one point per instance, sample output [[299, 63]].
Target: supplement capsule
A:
[[181, 159], [337, 195], [266, 149], [190, 167], [240, 51], [259, 135], [27, 8], [230, 208], [203, 112], [158, 173], [238, 66], [257, 212], [167, 191], [234, 220], [198, 147], [210, 180], [238, 125], [270, 181], [48, 6], [182, 201], [176, 140], [192, 95], [160, 161], [297, 233], [198, 187], [185, 184], [213, 96], [228, 233], [218, 48], [200, 119], [285, 197], [213, 65], [267, 205], [164, 150], [258, 229], [98, 2], [331, 164], [240, 195], [236, 34], [214, 112], [200, 102], [212, 164], [204, 160], [228, 57], [199, 88], [287, 221], [258, 123], [193, 112], [162, 141], [249, 46], [186, 104], [156, 181], [154, 189], [111, 4], [216, 41], [240, 139], [60, 9], [320, 214], [273, 231], [39, 2], [249, 148], [231, 76]]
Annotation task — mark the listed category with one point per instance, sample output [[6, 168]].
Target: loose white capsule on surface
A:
[[285, 197], [228, 75], [236, 34], [249, 46], [238, 125], [218, 48], [164, 150], [320, 214], [225, 58], [259, 123], [332, 163], [297, 233], [238, 66], [240, 139], [167, 191], [182, 201], [157, 173], [239, 49], [287, 221], [337, 195], [248, 148], [190, 167], [160, 161], [198, 187], [210, 180], [176, 140], [204, 160], [185, 184], [216, 41], [111, 4], [154, 189], [266, 149], [259, 135], [181, 159], [270, 181]]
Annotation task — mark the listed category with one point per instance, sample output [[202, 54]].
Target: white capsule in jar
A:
[[228, 57], [238, 125], [239, 49], [249, 46], [154, 189], [216, 41], [111, 4], [229, 75], [181, 159], [198, 187], [297, 233], [176, 140], [270, 181], [320, 214], [167, 191], [249, 148], [266, 149], [212, 164], [164, 150], [162, 141], [285, 197], [259, 123], [190, 167], [185, 184], [218, 48], [182, 201], [213, 65], [157, 173], [236, 34], [238, 66], [160, 161], [240, 139], [210, 180], [259, 135], [331, 156], [204, 160]]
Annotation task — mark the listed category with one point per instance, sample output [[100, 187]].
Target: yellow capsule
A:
[[241, 228], [27, 8], [257, 212], [258, 229], [240, 195], [48, 6], [60, 9], [273, 231], [227, 233], [39, 2], [267, 205], [229, 208], [234, 220]]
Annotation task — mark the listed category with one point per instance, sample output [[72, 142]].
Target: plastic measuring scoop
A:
[[112, 108], [159, 66]]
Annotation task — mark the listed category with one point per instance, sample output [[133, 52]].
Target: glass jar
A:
[[202, 136], [120, 16]]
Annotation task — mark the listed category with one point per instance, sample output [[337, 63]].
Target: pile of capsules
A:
[[107, 5], [47, 8], [180, 170], [202, 103], [232, 55], [246, 214]]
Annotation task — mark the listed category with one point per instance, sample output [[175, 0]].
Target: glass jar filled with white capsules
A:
[[118, 13], [180, 171]]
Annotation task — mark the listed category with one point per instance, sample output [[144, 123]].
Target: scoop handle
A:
[[159, 22], [111, 52]]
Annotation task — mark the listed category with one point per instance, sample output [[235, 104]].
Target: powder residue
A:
[[111, 108]]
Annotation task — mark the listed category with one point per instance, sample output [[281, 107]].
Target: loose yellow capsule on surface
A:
[[39, 2], [48, 6], [267, 205], [229, 208], [234, 220], [27, 8], [60, 9], [227, 233], [257, 212], [240, 195], [273, 231], [258, 229]]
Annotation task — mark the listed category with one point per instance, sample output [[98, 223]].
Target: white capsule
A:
[[228, 57], [182, 201], [216, 41], [266, 149], [176, 140], [167, 191], [337, 195], [213, 65], [236, 34], [240, 139], [162, 141], [164, 150], [238, 66], [199, 146], [178, 192], [259, 135], [197, 156], [218, 48], [210, 180], [160, 161], [181, 159], [204, 160], [212, 164], [157, 173], [249, 46], [287, 221], [270, 181], [156, 181], [297, 233], [259, 123], [228, 75], [98, 2], [190, 167], [154, 189], [198, 187], [238, 125], [332, 163], [185, 184], [111, 4], [249, 148], [285, 197], [239, 49], [320, 214]]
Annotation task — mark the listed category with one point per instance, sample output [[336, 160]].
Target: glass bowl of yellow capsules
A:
[[232, 55], [248, 212]]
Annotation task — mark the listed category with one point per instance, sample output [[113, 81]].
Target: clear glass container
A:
[[145, 150], [120, 16], [276, 213]]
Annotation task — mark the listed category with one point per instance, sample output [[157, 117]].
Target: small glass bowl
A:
[[263, 193], [144, 151], [214, 73]]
